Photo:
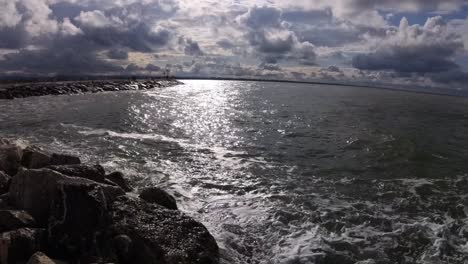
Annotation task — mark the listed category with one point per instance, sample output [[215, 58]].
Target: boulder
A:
[[78, 215], [18, 245], [35, 158], [40, 258], [4, 182], [35, 190], [92, 172], [158, 196], [10, 158], [14, 219], [118, 178], [149, 233], [64, 159]]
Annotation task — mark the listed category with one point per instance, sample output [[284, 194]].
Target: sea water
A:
[[281, 172]]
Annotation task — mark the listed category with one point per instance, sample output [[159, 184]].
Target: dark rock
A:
[[78, 214], [14, 219], [153, 234], [35, 158], [123, 246], [63, 159], [158, 196], [10, 158], [92, 172], [33, 191], [4, 205], [18, 245], [118, 178], [4, 182], [40, 258]]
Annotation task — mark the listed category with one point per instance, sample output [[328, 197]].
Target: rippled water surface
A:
[[278, 172]]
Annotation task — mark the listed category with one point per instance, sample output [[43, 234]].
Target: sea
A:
[[280, 172]]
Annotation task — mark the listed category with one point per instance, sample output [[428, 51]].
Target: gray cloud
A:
[[63, 61], [418, 49], [226, 44], [117, 54], [272, 39], [192, 48]]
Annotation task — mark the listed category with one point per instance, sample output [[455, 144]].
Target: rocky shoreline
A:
[[21, 90], [55, 209]]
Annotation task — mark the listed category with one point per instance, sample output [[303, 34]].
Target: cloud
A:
[[226, 44], [419, 49], [9, 17], [271, 38], [50, 61], [269, 67], [96, 19], [117, 54], [192, 48]]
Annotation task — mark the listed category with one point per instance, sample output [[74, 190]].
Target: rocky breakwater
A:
[[21, 90], [54, 209]]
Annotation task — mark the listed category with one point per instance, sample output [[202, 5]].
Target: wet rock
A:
[[33, 191], [18, 245], [64, 159], [4, 205], [35, 158], [78, 215], [40, 258], [92, 172], [154, 234], [14, 219], [118, 178], [4, 182], [158, 196], [123, 246], [10, 158]]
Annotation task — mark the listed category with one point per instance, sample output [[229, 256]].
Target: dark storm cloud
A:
[[63, 61], [226, 44], [152, 68], [453, 77], [259, 17], [117, 54], [329, 37], [272, 39], [138, 37], [13, 37], [69, 38], [421, 58], [192, 48], [62, 10], [277, 45], [308, 17]]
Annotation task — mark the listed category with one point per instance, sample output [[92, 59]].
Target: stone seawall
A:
[[21, 90]]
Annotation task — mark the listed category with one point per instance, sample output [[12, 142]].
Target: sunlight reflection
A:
[[208, 111]]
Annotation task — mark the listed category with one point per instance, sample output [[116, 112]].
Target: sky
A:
[[407, 43]]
